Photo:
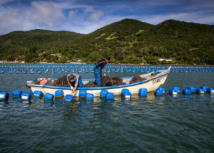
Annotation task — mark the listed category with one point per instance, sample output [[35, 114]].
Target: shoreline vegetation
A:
[[125, 42], [141, 64]]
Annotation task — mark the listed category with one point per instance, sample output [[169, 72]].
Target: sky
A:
[[86, 16]]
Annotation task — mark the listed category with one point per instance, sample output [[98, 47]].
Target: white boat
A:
[[151, 84]]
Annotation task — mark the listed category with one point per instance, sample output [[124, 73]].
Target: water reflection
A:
[[15, 99], [85, 102], [151, 96], [106, 101], [48, 103], [26, 103], [37, 100], [3, 104], [58, 102]]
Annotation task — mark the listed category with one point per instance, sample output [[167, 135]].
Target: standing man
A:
[[74, 80], [98, 69]]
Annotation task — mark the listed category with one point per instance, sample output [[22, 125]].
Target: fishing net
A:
[[106, 81], [116, 81], [136, 78], [92, 84], [61, 82]]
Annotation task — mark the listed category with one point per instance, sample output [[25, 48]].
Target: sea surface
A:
[[180, 124]]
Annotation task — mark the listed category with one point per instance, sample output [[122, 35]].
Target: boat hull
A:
[[151, 85]]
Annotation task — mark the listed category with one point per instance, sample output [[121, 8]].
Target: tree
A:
[[94, 56]]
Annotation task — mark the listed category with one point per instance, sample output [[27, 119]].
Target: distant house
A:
[[52, 54], [141, 58], [164, 59]]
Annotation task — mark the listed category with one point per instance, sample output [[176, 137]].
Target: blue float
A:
[[204, 88], [68, 98], [125, 90], [173, 91], [59, 93], [142, 92], [110, 96], [103, 93], [200, 91], [176, 89], [82, 93], [210, 90], [186, 91], [25, 96], [16, 93], [193, 89], [158, 92], [162, 89], [48, 96], [89, 96], [4, 95], [37, 93], [127, 95]]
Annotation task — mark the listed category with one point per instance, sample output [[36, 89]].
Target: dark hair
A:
[[108, 58]]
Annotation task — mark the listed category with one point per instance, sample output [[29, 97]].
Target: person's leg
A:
[[97, 75], [80, 84]]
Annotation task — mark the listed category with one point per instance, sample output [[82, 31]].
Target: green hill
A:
[[20, 42], [113, 40], [126, 41]]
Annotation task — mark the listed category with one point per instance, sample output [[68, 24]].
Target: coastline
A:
[[112, 64]]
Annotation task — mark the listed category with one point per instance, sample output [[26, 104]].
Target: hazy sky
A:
[[85, 16]]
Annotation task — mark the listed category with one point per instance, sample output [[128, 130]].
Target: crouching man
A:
[[74, 80]]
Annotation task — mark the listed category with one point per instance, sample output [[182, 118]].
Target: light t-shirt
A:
[[77, 80]]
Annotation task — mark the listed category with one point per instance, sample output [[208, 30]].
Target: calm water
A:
[[153, 124]]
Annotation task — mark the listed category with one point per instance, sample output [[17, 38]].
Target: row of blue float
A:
[[77, 69], [46, 69], [104, 93], [188, 91]]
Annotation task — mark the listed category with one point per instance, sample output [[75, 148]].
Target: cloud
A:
[[47, 15], [71, 14], [197, 17], [86, 16], [89, 9], [5, 1], [36, 16], [11, 20], [95, 14], [68, 4]]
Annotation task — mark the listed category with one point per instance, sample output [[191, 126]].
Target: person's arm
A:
[[68, 80], [69, 83], [75, 88], [76, 83], [103, 72]]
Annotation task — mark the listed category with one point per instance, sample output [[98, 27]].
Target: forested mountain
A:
[[20, 42], [126, 41]]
